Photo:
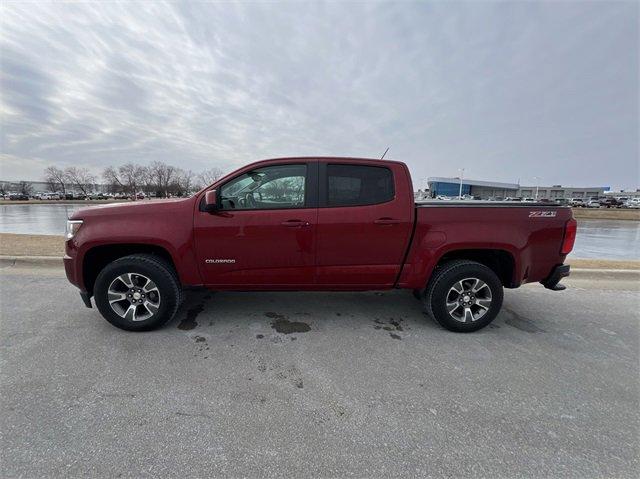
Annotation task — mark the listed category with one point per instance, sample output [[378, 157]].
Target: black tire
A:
[[445, 278], [140, 265]]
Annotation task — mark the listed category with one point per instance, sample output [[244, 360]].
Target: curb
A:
[[581, 273], [34, 261]]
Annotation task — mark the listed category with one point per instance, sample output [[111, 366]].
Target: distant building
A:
[[443, 186], [623, 194], [440, 186], [558, 191]]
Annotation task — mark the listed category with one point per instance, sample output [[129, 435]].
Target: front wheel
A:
[[138, 292], [464, 296]]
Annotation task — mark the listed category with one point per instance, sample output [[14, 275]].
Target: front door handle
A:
[[387, 221], [295, 223]]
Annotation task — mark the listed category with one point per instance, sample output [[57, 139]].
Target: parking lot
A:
[[323, 384]]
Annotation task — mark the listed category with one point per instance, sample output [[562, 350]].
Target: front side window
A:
[[280, 186], [354, 185]]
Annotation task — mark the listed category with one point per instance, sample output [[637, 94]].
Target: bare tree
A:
[[207, 177], [56, 178], [184, 182], [25, 188], [163, 175], [131, 176], [111, 177], [4, 188], [147, 181], [80, 178]]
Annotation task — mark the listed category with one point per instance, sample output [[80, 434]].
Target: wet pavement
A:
[[597, 239], [320, 385]]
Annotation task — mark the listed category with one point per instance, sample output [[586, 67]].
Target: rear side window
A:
[[354, 185]]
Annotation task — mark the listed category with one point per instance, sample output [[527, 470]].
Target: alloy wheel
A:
[[134, 297], [468, 300]]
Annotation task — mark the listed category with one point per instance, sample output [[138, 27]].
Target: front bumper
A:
[[557, 273], [86, 298], [70, 270], [72, 276]]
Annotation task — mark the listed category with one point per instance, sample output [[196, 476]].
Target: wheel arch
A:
[[97, 257], [500, 261]]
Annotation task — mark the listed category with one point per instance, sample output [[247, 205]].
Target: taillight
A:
[[570, 230]]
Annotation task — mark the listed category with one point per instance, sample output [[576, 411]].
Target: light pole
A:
[[537, 185], [461, 170]]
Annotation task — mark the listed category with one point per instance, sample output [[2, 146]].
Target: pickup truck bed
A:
[[524, 236]]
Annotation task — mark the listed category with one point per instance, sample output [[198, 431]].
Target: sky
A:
[[508, 91]]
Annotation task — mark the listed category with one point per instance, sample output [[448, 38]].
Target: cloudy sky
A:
[[507, 91]]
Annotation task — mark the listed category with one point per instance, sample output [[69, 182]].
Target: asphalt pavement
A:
[[320, 384]]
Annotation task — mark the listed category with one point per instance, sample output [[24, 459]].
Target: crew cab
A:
[[315, 224]]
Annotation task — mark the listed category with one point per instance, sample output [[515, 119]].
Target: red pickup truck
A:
[[315, 224]]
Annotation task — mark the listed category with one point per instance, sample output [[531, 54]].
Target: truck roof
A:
[[332, 158]]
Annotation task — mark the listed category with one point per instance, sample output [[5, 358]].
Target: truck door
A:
[[265, 232], [365, 219]]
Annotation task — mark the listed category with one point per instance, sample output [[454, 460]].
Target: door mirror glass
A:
[[211, 200]]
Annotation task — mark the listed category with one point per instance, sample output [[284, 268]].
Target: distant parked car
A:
[[528, 200], [610, 202], [593, 204], [47, 196], [633, 203], [562, 201], [18, 197], [577, 202]]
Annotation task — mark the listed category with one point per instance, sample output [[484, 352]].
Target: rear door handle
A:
[[387, 221], [295, 223]]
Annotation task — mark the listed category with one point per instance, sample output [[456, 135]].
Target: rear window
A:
[[355, 185]]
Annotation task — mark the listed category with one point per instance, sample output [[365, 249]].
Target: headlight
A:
[[72, 228]]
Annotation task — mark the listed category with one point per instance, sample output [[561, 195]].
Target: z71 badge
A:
[[542, 214]]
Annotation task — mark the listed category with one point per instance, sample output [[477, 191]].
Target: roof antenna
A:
[[385, 152]]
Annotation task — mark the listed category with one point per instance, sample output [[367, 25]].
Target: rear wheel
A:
[[464, 296], [138, 292]]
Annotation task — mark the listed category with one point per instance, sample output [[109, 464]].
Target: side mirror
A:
[[211, 200]]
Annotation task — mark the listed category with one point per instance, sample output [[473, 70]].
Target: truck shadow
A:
[[393, 312]]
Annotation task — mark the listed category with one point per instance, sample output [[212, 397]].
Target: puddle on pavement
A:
[[189, 322], [282, 325], [392, 325]]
